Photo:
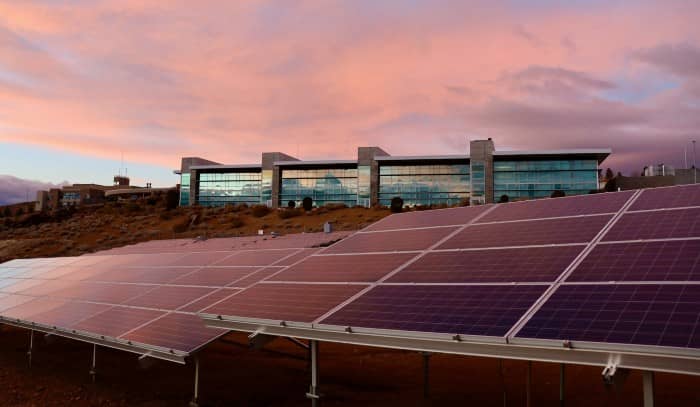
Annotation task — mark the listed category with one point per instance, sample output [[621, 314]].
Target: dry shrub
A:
[[289, 213], [181, 226], [334, 206], [259, 211], [237, 222]]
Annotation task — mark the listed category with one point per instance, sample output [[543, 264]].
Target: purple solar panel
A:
[[677, 223], [670, 197], [215, 276], [661, 315], [677, 260], [102, 292], [467, 310], [116, 321], [289, 302], [340, 268], [209, 300], [302, 254], [27, 310], [185, 332], [12, 300], [198, 259], [68, 313], [537, 264], [440, 217], [418, 239], [559, 207], [255, 277], [255, 258], [146, 275], [534, 232], [169, 298]]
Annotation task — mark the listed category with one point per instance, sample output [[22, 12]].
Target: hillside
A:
[[71, 232]]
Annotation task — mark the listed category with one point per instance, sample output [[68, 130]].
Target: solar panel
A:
[[255, 258], [650, 314], [116, 321], [175, 331], [208, 300], [644, 261], [559, 207], [452, 309], [255, 277], [342, 268], [146, 275], [67, 313], [417, 239], [287, 302], [677, 223], [538, 264], [215, 276], [527, 233], [168, 298], [674, 197], [440, 217]]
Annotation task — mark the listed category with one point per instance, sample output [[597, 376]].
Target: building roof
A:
[[318, 162], [225, 166], [599, 153], [422, 157]]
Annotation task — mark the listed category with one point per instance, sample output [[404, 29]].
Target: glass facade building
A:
[[421, 184], [222, 188], [323, 185], [376, 177], [529, 179]]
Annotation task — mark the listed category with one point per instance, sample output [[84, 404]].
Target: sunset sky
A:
[[83, 81]]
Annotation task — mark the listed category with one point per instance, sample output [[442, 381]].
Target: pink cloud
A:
[[228, 80]]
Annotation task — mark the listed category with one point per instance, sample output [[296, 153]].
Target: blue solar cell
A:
[[526, 233], [677, 223], [676, 260], [661, 315], [550, 208], [457, 309], [670, 197], [537, 264]]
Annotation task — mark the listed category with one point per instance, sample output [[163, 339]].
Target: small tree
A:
[[609, 174], [396, 204], [307, 203], [291, 204], [172, 199], [557, 194], [504, 198]]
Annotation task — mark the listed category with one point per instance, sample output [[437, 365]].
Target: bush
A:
[[396, 204], [181, 226], [289, 213], [237, 222], [504, 198], [307, 203], [291, 204], [259, 210], [165, 216], [172, 199], [334, 206], [557, 194]]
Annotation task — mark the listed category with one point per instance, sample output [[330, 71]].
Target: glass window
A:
[[322, 185], [221, 188], [185, 189], [539, 178], [431, 184]]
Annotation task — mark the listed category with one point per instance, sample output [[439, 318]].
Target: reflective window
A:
[[185, 189], [221, 188], [363, 185], [323, 185], [424, 184], [539, 178]]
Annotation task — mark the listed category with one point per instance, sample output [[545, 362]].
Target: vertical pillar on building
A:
[[270, 188], [366, 161], [481, 153]]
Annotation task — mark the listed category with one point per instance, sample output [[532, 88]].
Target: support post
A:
[[31, 347], [503, 380], [562, 381], [313, 393], [648, 388], [426, 374], [528, 383], [195, 397], [93, 370]]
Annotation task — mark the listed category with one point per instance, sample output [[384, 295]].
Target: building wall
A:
[[424, 184], [538, 178], [481, 162]]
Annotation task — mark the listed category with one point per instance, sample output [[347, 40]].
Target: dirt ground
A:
[[231, 374]]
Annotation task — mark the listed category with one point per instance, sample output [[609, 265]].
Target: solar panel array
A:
[[618, 268], [145, 294]]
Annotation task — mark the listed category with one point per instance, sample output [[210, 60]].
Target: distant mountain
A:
[[13, 189]]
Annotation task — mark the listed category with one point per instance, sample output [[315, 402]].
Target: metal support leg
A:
[[528, 383], [503, 380], [313, 393], [31, 346], [93, 370], [648, 387], [195, 398], [562, 380], [426, 374]]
